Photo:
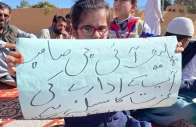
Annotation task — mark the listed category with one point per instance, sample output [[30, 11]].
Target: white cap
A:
[[181, 26]]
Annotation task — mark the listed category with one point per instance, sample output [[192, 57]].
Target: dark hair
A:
[[179, 37], [3, 6], [82, 7], [67, 16], [57, 17], [133, 1]]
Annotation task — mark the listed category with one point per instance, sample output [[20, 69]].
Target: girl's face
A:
[[93, 26]]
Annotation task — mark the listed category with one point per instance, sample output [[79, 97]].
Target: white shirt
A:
[[152, 15]]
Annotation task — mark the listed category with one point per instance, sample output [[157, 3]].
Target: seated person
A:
[[184, 109]]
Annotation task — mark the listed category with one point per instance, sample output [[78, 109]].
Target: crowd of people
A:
[[90, 19]]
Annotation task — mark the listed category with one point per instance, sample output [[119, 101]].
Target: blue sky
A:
[[63, 3]]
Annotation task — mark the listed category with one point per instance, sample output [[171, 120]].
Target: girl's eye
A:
[[102, 29], [87, 28]]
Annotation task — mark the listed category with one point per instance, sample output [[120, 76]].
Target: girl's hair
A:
[[133, 1], [179, 37], [83, 7]]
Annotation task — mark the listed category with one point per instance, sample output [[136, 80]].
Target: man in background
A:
[[8, 35], [56, 31]]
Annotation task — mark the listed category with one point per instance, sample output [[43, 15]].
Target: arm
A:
[[23, 34], [6, 45]]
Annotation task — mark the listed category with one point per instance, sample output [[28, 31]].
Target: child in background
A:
[[125, 25], [184, 110]]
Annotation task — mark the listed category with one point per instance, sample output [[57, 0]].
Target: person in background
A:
[[125, 25], [56, 31], [8, 35], [69, 25], [90, 20], [153, 16], [183, 112]]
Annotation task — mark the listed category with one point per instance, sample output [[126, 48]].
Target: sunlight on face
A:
[[96, 19]]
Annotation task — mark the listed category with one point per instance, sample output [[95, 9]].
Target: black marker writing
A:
[[113, 45], [168, 96], [55, 75], [120, 85], [154, 54], [87, 50], [53, 95], [157, 87], [135, 53], [113, 88], [75, 112], [98, 79], [42, 51], [52, 114], [118, 100], [34, 65], [91, 55], [64, 54], [89, 90], [112, 70], [156, 67], [174, 75], [130, 84], [141, 102], [49, 115], [158, 83], [70, 89], [99, 103], [135, 48]]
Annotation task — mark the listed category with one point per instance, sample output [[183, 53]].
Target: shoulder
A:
[[13, 28], [45, 30], [138, 21], [44, 33]]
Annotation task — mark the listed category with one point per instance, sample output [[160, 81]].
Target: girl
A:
[[90, 20]]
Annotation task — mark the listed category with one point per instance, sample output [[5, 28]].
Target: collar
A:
[[122, 23]]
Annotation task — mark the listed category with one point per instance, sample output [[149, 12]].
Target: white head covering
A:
[[181, 26]]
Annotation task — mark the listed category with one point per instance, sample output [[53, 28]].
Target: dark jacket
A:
[[187, 55], [9, 34], [115, 119]]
